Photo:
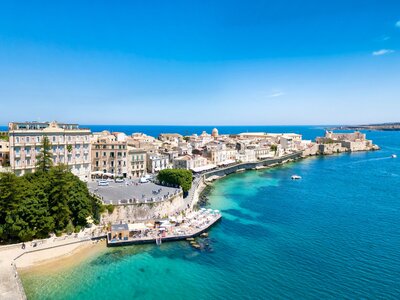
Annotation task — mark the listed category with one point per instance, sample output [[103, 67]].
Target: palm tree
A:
[[274, 148], [44, 158]]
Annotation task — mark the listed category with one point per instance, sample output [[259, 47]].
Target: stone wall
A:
[[253, 165], [331, 148], [129, 213]]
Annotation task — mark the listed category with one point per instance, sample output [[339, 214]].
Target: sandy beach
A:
[[52, 260]]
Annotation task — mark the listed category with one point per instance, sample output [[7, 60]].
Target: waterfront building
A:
[[355, 141], [157, 162], [137, 162], [70, 145], [109, 155]]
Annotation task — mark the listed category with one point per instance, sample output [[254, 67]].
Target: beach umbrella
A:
[[216, 211]]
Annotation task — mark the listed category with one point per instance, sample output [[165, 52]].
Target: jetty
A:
[[163, 231]]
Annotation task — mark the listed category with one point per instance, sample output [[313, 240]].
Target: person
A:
[[23, 246]]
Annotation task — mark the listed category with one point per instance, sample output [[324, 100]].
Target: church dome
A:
[[214, 132]]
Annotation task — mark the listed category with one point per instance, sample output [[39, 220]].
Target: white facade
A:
[[157, 162], [26, 140]]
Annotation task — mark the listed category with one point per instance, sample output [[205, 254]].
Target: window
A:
[[54, 139], [17, 139], [104, 153], [97, 154]]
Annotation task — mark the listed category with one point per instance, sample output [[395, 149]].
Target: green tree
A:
[[34, 205], [8, 203], [274, 148], [183, 178], [44, 158]]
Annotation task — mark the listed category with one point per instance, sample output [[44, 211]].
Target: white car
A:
[[119, 180], [102, 183], [143, 180]]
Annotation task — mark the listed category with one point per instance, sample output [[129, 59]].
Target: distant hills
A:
[[381, 127]]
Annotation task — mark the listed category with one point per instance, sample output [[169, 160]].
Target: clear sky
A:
[[200, 62]]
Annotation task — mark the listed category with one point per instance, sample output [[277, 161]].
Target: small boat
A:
[[240, 170], [158, 241], [296, 177], [394, 156]]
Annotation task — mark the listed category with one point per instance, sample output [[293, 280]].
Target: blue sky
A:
[[200, 62]]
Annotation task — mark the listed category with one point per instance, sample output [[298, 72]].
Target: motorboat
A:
[[296, 177], [394, 156]]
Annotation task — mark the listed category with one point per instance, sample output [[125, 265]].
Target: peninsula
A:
[[378, 127], [135, 189]]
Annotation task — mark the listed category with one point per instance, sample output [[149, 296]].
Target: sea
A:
[[334, 234]]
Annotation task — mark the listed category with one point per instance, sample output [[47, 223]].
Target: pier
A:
[[193, 226]]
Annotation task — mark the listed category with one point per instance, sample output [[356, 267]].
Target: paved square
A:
[[131, 192]]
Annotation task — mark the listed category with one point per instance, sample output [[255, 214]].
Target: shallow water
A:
[[333, 234]]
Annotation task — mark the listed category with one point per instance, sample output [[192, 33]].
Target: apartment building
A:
[[70, 145], [109, 154], [157, 162], [137, 162]]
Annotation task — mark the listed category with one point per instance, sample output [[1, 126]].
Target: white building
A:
[[157, 162], [26, 140]]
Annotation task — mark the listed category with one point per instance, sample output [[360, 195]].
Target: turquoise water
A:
[[335, 234]]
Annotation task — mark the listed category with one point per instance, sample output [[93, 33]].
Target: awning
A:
[[137, 227], [227, 162], [203, 168], [97, 173]]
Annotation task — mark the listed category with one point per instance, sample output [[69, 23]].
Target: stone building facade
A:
[[25, 140]]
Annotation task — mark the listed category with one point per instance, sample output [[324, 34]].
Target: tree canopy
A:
[[180, 177], [44, 158], [36, 204]]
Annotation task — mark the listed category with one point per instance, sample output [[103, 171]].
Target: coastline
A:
[[45, 261], [58, 258]]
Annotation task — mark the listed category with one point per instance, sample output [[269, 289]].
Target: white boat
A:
[[394, 156], [295, 177]]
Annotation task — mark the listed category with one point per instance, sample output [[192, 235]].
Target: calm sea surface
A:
[[335, 234]]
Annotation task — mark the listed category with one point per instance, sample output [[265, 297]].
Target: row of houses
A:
[[119, 155]]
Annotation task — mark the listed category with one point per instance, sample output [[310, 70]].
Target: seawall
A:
[[252, 165]]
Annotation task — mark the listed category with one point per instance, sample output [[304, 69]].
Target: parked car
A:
[[119, 180], [143, 180], [102, 183]]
